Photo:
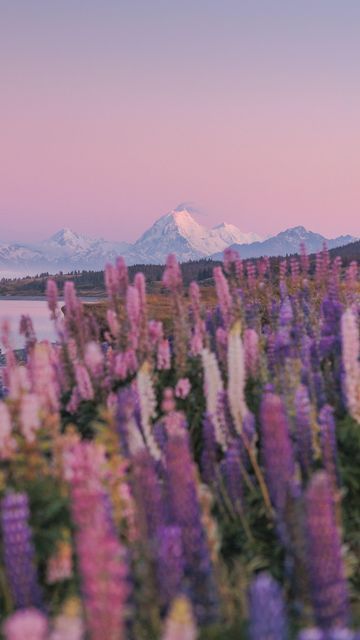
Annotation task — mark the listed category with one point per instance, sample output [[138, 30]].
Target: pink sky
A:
[[112, 116]]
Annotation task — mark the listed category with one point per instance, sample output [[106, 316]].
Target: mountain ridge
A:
[[175, 232]]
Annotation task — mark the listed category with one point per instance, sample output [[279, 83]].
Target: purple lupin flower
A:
[[208, 453], [303, 429], [148, 495], [170, 562], [326, 571], [277, 451], [233, 480], [184, 511], [312, 633], [19, 553], [267, 610], [328, 443]]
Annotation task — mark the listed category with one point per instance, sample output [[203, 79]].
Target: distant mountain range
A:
[[176, 232]]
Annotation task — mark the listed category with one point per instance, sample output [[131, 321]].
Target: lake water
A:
[[12, 310]]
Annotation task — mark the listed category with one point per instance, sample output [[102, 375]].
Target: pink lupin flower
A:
[[83, 382], [180, 623], [155, 331], [27, 330], [168, 402], [43, 376], [133, 312], [111, 281], [113, 322], [52, 295], [251, 347], [30, 416], [182, 388], [29, 624], [7, 442], [60, 566], [94, 358], [101, 558], [163, 355], [122, 274], [67, 627], [197, 338], [172, 278], [223, 295]]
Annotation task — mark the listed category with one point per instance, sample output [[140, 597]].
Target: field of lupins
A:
[[198, 485]]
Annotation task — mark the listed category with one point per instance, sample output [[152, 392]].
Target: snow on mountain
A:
[[178, 232], [286, 243], [175, 232], [230, 234]]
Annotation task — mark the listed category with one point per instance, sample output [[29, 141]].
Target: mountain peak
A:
[[64, 235]]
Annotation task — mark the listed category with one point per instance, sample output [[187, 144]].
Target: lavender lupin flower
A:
[[326, 571], [19, 551], [170, 562], [231, 470], [184, 511], [208, 455], [277, 450], [267, 610], [328, 443], [303, 429]]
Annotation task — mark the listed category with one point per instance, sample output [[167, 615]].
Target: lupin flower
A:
[[312, 634], [67, 627], [251, 347], [122, 275], [60, 563], [27, 330], [133, 312], [169, 562], [213, 389], [101, 558], [182, 388], [29, 624], [148, 494], [43, 376], [236, 378], [163, 355], [267, 610], [172, 278], [147, 403], [184, 511], [223, 295], [303, 422], [7, 442], [328, 443], [30, 416], [326, 570], [351, 363], [19, 551], [233, 480], [94, 358], [83, 381], [277, 450], [52, 295], [180, 623]]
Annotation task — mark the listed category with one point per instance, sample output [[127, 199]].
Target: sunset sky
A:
[[114, 111]]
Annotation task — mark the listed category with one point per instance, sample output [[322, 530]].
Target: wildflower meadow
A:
[[196, 483]]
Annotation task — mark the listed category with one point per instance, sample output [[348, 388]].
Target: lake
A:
[[13, 309]]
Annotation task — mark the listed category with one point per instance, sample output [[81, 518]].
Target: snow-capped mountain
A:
[[178, 232], [288, 242], [175, 232]]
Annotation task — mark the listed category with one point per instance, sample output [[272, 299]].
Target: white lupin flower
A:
[[147, 402], [350, 357], [237, 377], [213, 387]]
